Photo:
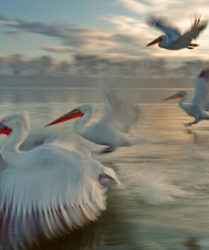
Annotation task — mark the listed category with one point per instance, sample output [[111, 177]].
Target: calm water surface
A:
[[165, 200]]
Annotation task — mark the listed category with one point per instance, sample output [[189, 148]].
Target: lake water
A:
[[164, 203]]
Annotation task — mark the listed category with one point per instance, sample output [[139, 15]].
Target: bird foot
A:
[[194, 44], [107, 150], [188, 124]]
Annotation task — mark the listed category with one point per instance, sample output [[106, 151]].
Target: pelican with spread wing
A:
[[200, 103], [49, 190], [173, 39], [112, 129]]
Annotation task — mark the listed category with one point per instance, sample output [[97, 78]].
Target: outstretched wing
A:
[[201, 96], [172, 33], [62, 193], [118, 113], [194, 31]]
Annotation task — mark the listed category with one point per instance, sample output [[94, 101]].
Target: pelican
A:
[[112, 128], [200, 102], [173, 39], [48, 190]]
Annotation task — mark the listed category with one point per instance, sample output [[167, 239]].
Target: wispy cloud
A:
[[135, 6], [70, 34], [55, 49], [7, 21], [77, 39], [14, 32], [177, 10]]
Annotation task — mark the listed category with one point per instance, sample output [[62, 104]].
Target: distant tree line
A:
[[92, 65]]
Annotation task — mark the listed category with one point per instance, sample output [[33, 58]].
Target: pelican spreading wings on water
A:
[[200, 103], [112, 128], [173, 39], [48, 190]]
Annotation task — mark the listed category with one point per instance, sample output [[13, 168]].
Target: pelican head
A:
[[77, 112], [180, 94], [13, 122], [160, 39]]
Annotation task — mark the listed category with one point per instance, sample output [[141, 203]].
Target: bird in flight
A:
[[200, 103], [112, 128], [173, 38]]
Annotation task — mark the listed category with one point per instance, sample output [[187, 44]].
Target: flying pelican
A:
[[173, 39], [200, 102], [49, 189], [112, 128]]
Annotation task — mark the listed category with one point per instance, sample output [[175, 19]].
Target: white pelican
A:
[[200, 102], [173, 39], [112, 128], [49, 189]]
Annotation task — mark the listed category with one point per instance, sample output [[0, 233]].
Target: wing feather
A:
[[201, 96], [194, 31], [47, 200], [163, 25], [118, 113]]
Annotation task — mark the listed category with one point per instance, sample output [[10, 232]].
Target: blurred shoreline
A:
[[91, 81]]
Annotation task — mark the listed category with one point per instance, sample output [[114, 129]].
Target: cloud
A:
[[128, 25], [176, 10], [7, 21], [14, 32], [135, 6], [55, 49], [69, 34], [77, 39]]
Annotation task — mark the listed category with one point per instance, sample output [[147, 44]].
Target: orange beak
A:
[[158, 40], [173, 97], [70, 115], [5, 130]]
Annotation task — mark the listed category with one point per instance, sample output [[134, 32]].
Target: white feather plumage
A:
[[49, 189]]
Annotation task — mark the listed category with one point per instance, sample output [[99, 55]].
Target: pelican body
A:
[[173, 39], [200, 102], [111, 130], [48, 190]]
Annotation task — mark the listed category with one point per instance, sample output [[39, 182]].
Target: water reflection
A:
[[110, 230]]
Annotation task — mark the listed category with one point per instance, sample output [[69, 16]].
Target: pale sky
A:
[[108, 28]]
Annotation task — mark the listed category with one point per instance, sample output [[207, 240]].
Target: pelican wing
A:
[[60, 192], [201, 96], [118, 113], [172, 33], [196, 28]]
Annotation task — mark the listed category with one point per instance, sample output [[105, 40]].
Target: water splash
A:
[[151, 187]]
